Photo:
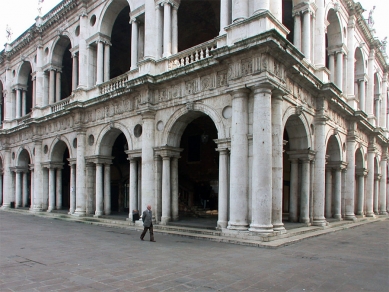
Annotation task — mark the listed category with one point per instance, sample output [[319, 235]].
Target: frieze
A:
[[191, 87], [207, 82], [247, 67], [337, 119], [300, 93], [362, 136], [221, 78], [114, 108]]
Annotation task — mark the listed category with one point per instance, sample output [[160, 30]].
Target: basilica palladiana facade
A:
[[265, 111]]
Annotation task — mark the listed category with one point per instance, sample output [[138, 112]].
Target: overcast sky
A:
[[21, 14]]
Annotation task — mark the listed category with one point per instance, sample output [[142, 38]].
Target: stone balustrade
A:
[[114, 84], [58, 106]]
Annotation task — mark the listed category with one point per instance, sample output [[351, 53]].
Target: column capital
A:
[[133, 154], [223, 144], [262, 87], [377, 176], [361, 171], [239, 93], [336, 165], [168, 151], [302, 155]]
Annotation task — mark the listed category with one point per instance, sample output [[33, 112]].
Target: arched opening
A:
[[377, 178], [60, 161], [359, 77], [25, 82], [62, 60], [198, 21], [377, 99], [360, 175], [296, 152], [287, 18], [23, 178], [120, 53], [334, 45], [2, 101]]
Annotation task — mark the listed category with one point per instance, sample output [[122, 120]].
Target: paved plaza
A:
[[45, 254]]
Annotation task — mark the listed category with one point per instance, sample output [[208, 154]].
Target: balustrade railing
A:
[[60, 105], [114, 84], [192, 55]]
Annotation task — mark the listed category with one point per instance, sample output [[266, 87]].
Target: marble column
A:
[[259, 5], [46, 85], [158, 187], [74, 71], [134, 43], [80, 178], [305, 187], [37, 194], [337, 193], [33, 91], [39, 84], [18, 109], [133, 187], [383, 186], [320, 34], [297, 30], [6, 178], [18, 189], [158, 42], [293, 197], [45, 189], [51, 189], [167, 29], [328, 193], [370, 88], [350, 57], [240, 10], [350, 175], [362, 91], [100, 63], [25, 189], [107, 61], [58, 86], [166, 194], [223, 189], [276, 9], [174, 187], [331, 66], [384, 105], [51, 86], [239, 161], [339, 70], [224, 15], [99, 190], [261, 220], [377, 178], [306, 34], [1, 189], [90, 190], [174, 29], [31, 188], [151, 29], [361, 192], [24, 101], [72, 208], [370, 182], [107, 189], [277, 160], [59, 189], [83, 67]]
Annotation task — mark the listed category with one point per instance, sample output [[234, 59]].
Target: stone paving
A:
[[45, 254]]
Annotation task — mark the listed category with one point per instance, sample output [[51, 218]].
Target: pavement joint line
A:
[[291, 237]]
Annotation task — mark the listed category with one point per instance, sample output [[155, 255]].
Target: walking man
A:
[[147, 219]]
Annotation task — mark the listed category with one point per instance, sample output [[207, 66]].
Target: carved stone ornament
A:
[[189, 106]]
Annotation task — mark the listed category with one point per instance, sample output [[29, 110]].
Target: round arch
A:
[[360, 158], [23, 157], [334, 30], [300, 132], [109, 13], [58, 48], [24, 72], [57, 148], [177, 123], [334, 147], [107, 137]]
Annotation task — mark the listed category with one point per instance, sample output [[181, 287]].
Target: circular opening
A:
[[93, 20], [138, 130], [77, 31], [227, 112], [75, 143], [47, 51], [91, 139], [45, 149]]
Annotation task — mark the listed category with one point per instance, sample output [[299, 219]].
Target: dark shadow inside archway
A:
[[66, 181], [198, 174]]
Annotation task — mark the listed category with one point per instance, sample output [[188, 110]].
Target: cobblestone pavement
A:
[[43, 254]]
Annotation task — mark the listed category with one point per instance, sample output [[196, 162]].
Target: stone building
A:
[[269, 111]]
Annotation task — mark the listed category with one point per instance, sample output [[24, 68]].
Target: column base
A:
[[164, 220], [258, 228], [319, 222], [36, 209], [371, 215], [6, 206], [107, 212], [79, 213], [49, 210], [237, 226], [338, 217], [350, 217], [221, 224], [383, 213], [279, 227], [304, 220], [98, 214], [71, 212]]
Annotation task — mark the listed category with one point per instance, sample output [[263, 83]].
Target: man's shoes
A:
[[141, 239], [152, 240]]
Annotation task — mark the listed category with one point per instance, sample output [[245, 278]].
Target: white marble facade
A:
[[301, 124]]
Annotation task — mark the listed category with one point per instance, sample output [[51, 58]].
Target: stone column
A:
[[39, 84], [1, 189], [383, 186], [107, 189], [320, 35], [306, 34], [82, 52], [223, 189], [80, 178], [72, 188], [384, 105], [339, 70], [305, 186], [134, 43], [25, 189], [262, 155], [276, 9], [240, 10], [338, 193], [293, 197], [361, 191], [328, 193], [18, 189], [377, 108], [32, 187], [174, 30], [370, 88], [377, 179], [33, 91], [239, 161], [148, 159], [18, 112], [51, 189], [297, 30], [259, 5], [51, 86], [99, 190], [362, 94], [159, 31], [37, 200], [24, 101], [277, 160], [59, 189], [166, 199], [133, 186], [331, 66], [151, 29], [350, 174], [7, 179], [350, 57], [46, 84], [320, 161], [167, 30], [90, 189], [370, 181], [74, 71], [100, 63], [107, 63], [224, 15], [58, 86], [45, 189], [174, 187], [158, 187]]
